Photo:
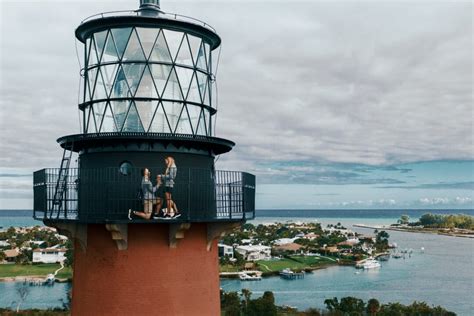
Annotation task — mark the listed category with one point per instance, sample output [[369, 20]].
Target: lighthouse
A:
[[148, 113]]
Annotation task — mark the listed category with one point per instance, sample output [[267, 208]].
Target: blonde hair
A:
[[170, 163]]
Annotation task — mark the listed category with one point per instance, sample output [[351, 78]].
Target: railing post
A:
[[230, 200], [188, 210]]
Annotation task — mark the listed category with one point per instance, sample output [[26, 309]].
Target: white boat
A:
[[286, 272], [50, 279], [369, 263], [245, 277], [289, 274]]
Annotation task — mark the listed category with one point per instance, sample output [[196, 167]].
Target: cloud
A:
[[445, 201], [307, 172], [467, 185]]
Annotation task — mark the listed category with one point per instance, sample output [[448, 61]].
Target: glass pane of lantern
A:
[[146, 88], [99, 109], [120, 37], [100, 42], [99, 92], [172, 112], [119, 109], [108, 123], [184, 124], [159, 123], [184, 75], [160, 75], [120, 86], [184, 54], [201, 62], [145, 109], [195, 45], [201, 129], [193, 93], [133, 73], [147, 37], [109, 72], [90, 81], [207, 98], [93, 54], [160, 50], [172, 89], [194, 114], [132, 122], [208, 53], [110, 52], [91, 78], [91, 127], [134, 49], [173, 39], [202, 82]]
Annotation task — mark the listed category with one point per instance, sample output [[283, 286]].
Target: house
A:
[[288, 247], [224, 250], [284, 241], [249, 266], [11, 254], [254, 252], [310, 236], [246, 241], [49, 255], [4, 243]]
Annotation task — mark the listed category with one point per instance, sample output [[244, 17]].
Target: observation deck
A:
[[105, 195]]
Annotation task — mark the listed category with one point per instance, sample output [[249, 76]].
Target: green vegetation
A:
[[13, 270], [447, 221], [235, 304], [296, 263]]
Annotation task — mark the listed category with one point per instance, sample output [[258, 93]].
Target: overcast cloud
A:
[[304, 87]]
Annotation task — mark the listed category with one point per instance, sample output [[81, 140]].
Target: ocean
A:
[[442, 274]]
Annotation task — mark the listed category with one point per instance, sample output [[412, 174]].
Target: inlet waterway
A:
[[442, 274]]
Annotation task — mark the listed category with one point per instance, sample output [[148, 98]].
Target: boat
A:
[[384, 257], [245, 277], [397, 255], [289, 274], [50, 278], [369, 263]]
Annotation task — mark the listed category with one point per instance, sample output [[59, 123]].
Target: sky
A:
[[332, 104]]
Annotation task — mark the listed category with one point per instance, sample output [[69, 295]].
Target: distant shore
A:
[[436, 231]]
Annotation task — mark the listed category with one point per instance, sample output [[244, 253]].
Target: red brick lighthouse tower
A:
[[148, 91]]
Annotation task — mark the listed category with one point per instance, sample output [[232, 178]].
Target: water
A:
[[442, 275], [42, 297], [17, 218]]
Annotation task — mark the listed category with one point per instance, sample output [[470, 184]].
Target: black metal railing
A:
[[106, 195]]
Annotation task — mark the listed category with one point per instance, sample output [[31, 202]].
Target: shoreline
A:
[[31, 278], [414, 230]]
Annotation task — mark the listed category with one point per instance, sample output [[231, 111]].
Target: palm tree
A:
[[373, 306]]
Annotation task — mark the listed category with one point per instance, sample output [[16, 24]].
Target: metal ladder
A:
[[61, 185]]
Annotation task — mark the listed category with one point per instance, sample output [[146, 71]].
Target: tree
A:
[[404, 219], [373, 306], [352, 305], [262, 306], [381, 240], [332, 304], [246, 294], [230, 303]]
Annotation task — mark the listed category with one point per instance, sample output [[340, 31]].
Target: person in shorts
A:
[[169, 178]]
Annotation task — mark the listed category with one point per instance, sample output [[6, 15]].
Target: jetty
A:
[[291, 275]]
